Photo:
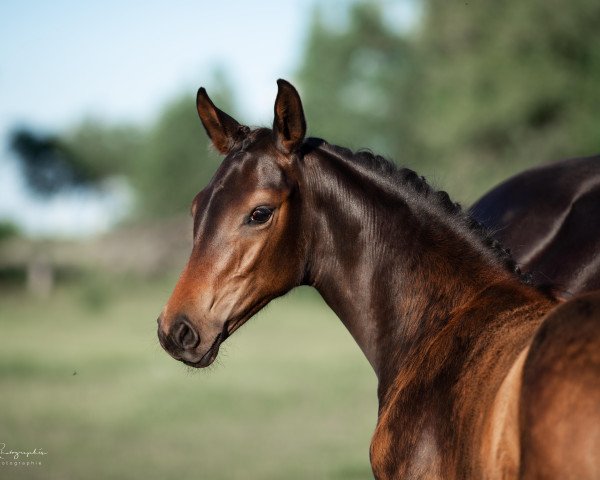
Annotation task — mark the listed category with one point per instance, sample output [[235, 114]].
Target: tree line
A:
[[473, 92]]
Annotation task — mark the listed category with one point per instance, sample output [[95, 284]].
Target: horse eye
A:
[[260, 215]]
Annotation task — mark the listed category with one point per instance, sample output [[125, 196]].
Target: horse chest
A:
[[405, 453]]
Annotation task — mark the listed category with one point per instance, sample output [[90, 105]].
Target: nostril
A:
[[184, 335], [188, 337]]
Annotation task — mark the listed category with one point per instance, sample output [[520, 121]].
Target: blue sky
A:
[[62, 60]]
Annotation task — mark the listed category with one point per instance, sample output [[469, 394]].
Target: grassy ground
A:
[[83, 378]]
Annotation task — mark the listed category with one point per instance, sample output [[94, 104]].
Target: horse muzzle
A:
[[182, 341]]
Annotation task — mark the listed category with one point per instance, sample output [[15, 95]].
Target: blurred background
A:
[[101, 153]]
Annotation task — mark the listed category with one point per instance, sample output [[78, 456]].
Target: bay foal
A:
[[480, 375]]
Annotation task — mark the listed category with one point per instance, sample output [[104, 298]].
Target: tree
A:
[[166, 163], [177, 159], [477, 92], [358, 83], [49, 165], [107, 149], [509, 84]]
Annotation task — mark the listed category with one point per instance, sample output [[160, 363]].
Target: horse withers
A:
[[480, 375]]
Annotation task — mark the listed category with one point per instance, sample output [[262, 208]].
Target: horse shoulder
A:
[[560, 394], [500, 441]]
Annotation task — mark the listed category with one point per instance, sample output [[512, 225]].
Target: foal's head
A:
[[247, 246]]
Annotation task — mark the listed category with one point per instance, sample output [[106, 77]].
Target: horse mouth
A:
[[209, 356], [228, 328]]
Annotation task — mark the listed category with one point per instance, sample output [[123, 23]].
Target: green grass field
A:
[[83, 378]]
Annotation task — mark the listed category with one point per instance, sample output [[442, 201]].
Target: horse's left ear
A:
[[289, 125]]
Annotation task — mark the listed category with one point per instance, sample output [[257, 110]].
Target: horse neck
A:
[[390, 265]]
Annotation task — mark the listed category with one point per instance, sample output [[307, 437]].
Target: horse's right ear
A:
[[289, 124], [224, 131]]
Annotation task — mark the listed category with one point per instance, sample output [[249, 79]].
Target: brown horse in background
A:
[[549, 217], [480, 374]]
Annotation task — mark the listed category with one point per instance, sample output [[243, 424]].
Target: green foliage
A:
[[176, 163], [177, 160], [107, 149], [477, 91], [510, 82], [49, 165], [167, 162], [8, 230], [357, 83]]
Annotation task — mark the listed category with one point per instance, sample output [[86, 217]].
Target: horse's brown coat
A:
[[500, 445], [480, 375], [560, 399]]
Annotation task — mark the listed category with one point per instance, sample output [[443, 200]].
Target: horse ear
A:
[[224, 131], [289, 124]]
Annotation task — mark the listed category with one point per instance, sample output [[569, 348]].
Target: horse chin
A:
[[210, 355]]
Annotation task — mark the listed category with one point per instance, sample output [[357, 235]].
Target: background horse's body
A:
[[431, 299], [550, 219]]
